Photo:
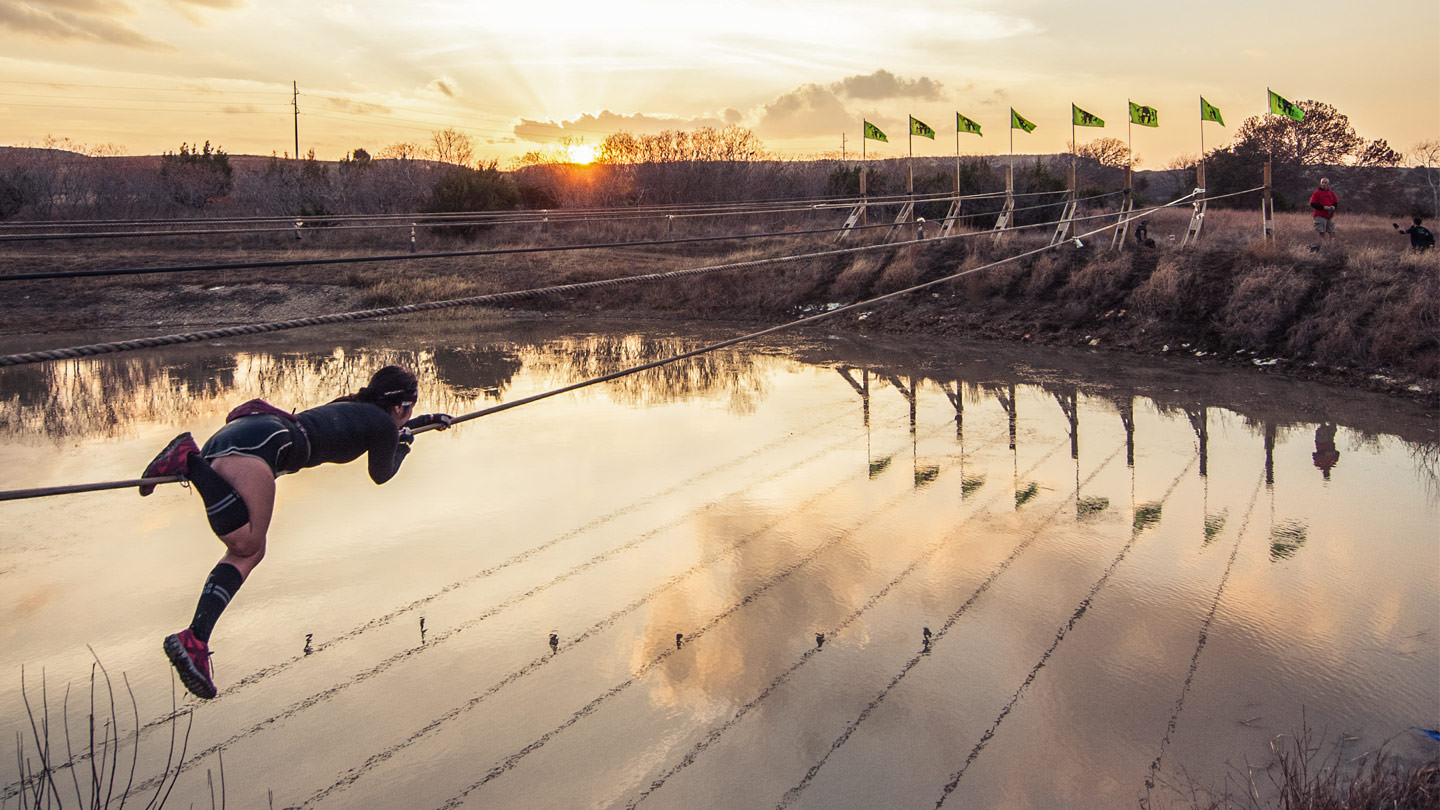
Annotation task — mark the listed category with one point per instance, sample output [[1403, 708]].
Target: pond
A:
[[815, 571]]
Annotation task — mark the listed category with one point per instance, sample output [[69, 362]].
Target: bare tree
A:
[[1426, 156], [1108, 152], [401, 150], [450, 145]]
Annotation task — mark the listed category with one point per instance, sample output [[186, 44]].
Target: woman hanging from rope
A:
[[235, 475]]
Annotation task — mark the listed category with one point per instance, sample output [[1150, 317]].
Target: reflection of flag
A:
[[873, 133], [1084, 119], [963, 124], [918, 127], [1144, 116], [1281, 106], [1208, 112], [1017, 121]]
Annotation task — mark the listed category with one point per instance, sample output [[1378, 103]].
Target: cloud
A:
[[445, 86], [882, 84], [77, 20], [810, 109], [356, 107], [600, 126], [814, 109]]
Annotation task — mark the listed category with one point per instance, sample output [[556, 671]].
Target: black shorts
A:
[[271, 439]]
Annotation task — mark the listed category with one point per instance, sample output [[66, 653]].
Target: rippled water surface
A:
[[817, 573]]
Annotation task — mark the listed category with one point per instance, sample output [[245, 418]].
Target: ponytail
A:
[[390, 387]]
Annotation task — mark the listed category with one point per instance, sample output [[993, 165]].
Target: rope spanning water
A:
[[794, 793], [780, 680], [638, 674], [1060, 635], [1200, 642], [262, 674], [276, 326]]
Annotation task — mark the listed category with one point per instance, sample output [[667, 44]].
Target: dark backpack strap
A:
[[256, 406]]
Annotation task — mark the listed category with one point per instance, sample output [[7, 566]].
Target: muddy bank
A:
[[1362, 318]]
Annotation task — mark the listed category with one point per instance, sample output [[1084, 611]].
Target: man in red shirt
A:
[[1323, 203]]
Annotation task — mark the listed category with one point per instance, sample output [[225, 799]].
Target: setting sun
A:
[[581, 153]]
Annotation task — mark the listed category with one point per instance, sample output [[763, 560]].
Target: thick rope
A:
[[7, 495]]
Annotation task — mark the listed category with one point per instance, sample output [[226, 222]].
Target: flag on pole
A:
[[918, 127], [1144, 116], [873, 133], [1209, 112], [1282, 106], [1084, 119], [1017, 121], [963, 124]]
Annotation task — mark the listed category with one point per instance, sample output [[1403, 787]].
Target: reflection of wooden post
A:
[[1127, 418], [1270, 434], [861, 388], [1267, 210], [1198, 421]]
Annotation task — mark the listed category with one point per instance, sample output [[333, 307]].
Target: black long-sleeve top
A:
[[343, 431]]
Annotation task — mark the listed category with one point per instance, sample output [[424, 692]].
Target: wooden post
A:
[[864, 170], [1066, 228], [1267, 210], [1197, 219], [1007, 213], [1127, 204]]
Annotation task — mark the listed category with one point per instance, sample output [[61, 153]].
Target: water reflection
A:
[[106, 396], [744, 575]]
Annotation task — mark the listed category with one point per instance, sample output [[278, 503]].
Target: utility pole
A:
[[295, 102]]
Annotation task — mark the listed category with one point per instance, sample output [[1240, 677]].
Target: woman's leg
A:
[[239, 496]]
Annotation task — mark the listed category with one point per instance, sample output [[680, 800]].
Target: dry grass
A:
[[1300, 777]]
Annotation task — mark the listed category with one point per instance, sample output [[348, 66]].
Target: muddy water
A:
[[815, 573]]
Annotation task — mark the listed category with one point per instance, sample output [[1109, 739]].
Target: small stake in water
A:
[[554, 642], [308, 636], [926, 633], [422, 629], [819, 640], [679, 639]]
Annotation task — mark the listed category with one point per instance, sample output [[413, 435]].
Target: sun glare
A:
[[581, 153]]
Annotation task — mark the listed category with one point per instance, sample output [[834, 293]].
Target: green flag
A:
[[963, 124], [1017, 121], [918, 127], [1280, 106], [1084, 119], [873, 133], [1144, 116], [1209, 112]]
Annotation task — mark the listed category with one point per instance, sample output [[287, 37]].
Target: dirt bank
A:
[[1362, 317]]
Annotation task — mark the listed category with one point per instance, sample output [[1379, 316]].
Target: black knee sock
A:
[[220, 587], [223, 505]]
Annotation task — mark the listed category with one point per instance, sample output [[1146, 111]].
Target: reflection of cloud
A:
[[79, 20]]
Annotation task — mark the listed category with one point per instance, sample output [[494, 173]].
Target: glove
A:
[[405, 437], [441, 421]]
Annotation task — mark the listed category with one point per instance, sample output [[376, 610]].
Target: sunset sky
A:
[[146, 75]]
